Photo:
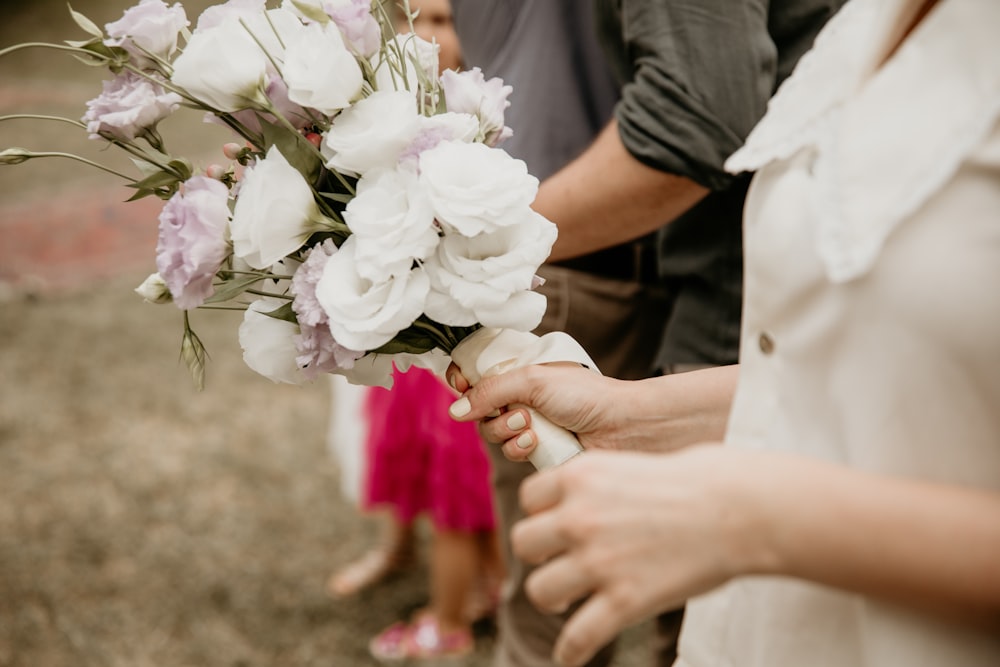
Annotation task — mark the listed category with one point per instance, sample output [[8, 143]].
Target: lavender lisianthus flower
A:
[[318, 352], [358, 26], [148, 31], [470, 92], [192, 242], [128, 105]]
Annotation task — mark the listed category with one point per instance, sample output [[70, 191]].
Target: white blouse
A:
[[871, 326]]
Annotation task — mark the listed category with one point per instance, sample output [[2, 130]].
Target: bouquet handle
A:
[[555, 445], [488, 352]]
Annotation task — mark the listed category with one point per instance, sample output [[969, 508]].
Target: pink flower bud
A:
[[215, 171], [232, 150], [314, 139]]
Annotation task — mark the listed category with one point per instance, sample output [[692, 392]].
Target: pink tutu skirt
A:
[[420, 461]]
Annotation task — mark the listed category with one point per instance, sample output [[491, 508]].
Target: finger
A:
[[491, 393], [593, 626], [456, 380], [509, 426], [521, 447], [553, 587], [541, 491], [538, 538]]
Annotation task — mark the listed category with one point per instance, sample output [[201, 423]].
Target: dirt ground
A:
[[143, 523]]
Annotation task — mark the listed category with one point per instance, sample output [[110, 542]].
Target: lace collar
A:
[[885, 138]]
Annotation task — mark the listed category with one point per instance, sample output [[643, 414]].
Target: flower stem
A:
[[58, 47], [271, 294], [35, 116], [84, 160]]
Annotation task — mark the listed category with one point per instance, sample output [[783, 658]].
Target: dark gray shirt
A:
[[696, 76], [564, 90]]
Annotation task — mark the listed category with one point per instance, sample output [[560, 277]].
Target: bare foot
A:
[[371, 568]]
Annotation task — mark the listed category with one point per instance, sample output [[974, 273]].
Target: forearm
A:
[[606, 197], [925, 545], [673, 411]]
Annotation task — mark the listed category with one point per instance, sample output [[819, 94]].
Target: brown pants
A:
[[619, 323]]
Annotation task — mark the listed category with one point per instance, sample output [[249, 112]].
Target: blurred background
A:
[[142, 522]]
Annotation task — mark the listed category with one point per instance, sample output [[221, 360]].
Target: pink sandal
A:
[[421, 639]]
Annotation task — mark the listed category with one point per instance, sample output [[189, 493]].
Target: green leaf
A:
[[284, 312], [296, 149], [311, 12], [232, 289], [159, 179], [86, 24], [340, 197], [409, 340]]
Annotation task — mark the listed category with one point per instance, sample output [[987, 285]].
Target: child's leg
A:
[[455, 568]]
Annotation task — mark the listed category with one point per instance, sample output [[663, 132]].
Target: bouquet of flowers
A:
[[365, 216]]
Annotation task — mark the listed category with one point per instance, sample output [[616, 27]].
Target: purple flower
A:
[[318, 351], [148, 31], [128, 105], [192, 241], [358, 26]]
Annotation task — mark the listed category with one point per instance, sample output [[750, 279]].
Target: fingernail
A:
[[516, 422], [525, 440], [451, 381], [460, 408]]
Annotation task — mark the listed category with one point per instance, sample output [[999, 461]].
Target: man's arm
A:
[[606, 197]]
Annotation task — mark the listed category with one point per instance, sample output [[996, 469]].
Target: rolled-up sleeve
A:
[[703, 71]]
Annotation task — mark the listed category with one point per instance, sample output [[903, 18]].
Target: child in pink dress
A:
[[420, 462]]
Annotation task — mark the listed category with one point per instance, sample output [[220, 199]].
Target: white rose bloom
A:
[[269, 343], [392, 222], [320, 71], [420, 61], [474, 188], [275, 212], [372, 133], [470, 92], [365, 315], [488, 278], [433, 130], [223, 68]]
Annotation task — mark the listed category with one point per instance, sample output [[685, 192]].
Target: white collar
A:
[[924, 111]]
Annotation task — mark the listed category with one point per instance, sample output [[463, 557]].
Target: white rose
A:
[[319, 70], [216, 15], [371, 133], [392, 223], [474, 188], [470, 92], [269, 343], [433, 130], [365, 315], [406, 60], [488, 278], [275, 212], [223, 68]]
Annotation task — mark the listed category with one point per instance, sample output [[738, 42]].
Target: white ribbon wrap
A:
[[489, 352]]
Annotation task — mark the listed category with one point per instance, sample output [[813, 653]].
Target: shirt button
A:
[[766, 343]]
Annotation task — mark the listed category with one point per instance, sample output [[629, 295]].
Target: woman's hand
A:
[[659, 414], [637, 533]]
